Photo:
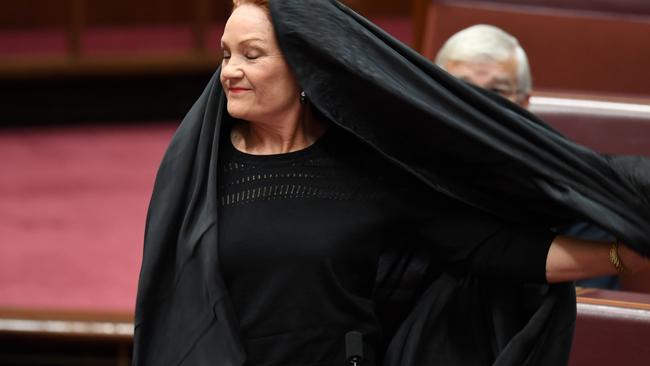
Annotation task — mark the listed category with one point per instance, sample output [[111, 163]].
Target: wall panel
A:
[[47, 13]]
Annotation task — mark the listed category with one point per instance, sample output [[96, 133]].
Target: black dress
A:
[[301, 235]]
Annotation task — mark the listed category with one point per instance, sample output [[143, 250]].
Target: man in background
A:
[[490, 58]]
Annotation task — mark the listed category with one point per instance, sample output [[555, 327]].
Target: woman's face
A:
[[257, 81]]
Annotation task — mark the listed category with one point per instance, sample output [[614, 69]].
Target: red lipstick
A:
[[237, 90]]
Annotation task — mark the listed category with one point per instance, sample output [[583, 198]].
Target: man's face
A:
[[497, 76]]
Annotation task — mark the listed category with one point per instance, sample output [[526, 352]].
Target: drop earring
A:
[[303, 97]]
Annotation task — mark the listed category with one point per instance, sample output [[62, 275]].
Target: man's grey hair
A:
[[484, 42]]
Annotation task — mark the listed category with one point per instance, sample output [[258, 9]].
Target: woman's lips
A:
[[238, 90]]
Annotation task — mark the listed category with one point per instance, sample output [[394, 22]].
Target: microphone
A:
[[354, 348]]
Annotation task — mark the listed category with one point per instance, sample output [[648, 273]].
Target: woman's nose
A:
[[231, 70]]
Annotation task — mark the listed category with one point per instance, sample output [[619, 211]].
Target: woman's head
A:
[[255, 76]]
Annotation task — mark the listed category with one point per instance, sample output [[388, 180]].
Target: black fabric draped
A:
[[460, 141]]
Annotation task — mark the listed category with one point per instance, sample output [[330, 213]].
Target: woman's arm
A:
[[571, 259]]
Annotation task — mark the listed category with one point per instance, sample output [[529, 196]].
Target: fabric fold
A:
[[457, 138]]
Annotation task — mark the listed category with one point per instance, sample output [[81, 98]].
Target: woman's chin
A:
[[237, 112]]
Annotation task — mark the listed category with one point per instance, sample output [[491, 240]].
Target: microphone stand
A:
[[354, 348]]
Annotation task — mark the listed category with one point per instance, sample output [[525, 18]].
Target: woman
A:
[[330, 180]]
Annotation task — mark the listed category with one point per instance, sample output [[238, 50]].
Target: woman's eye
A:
[[252, 56]]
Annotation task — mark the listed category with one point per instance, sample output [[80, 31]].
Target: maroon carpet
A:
[[72, 210]]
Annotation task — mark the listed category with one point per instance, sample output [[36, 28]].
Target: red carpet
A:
[[72, 210]]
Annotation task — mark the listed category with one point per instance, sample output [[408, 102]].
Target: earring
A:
[[303, 97]]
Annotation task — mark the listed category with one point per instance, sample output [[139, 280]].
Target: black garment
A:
[[458, 140], [302, 233], [299, 243], [463, 141]]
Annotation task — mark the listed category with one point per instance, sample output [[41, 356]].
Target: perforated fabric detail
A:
[[244, 183], [305, 174]]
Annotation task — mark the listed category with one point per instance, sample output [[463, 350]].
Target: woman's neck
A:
[[259, 138]]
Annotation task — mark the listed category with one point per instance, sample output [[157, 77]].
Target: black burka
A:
[[461, 141]]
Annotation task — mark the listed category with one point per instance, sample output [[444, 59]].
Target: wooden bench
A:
[[602, 49], [607, 125], [65, 338], [613, 328]]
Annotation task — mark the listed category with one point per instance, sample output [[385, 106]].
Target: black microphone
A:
[[354, 348]]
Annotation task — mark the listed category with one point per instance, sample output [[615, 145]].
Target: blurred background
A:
[[92, 90]]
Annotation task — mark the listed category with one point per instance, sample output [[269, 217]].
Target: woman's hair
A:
[[264, 4]]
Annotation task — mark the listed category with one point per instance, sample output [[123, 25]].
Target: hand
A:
[[633, 261]]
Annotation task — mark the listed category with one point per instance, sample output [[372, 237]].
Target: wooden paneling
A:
[[609, 6], [569, 50], [48, 13], [34, 13]]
